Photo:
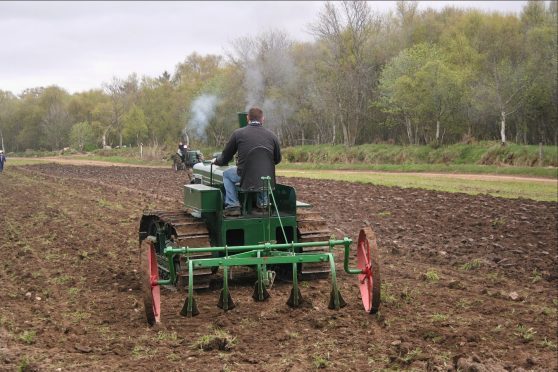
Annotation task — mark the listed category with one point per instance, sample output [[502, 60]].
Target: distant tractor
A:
[[186, 162], [190, 246]]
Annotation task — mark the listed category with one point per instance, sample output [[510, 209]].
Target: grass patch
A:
[[536, 276], [411, 355], [437, 318], [60, 280], [495, 278], [408, 295], [141, 352], [24, 365], [386, 297], [498, 222], [431, 276], [499, 328], [472, 265], [505, 188], [546, 172], [106, 333], [320, 361], [218, 339], [22, 161], [526, 334], [28, 337], [548, 344], [293, 335], [166, 336], [464, 303], [433, 336], [110, 205], [78, 316], [549, 311]]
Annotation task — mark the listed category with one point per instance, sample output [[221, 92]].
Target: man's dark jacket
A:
[[245, 139]]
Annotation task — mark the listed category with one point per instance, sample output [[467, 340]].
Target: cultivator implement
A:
[[260, 256], [186, 248]]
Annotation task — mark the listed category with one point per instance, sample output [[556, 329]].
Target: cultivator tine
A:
[[295, 299], [336, 301], [225, 300], [260, 292], [190, 308]]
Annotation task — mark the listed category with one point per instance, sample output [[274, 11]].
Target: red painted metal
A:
[[368, 263], [365, 278], [155, 288]]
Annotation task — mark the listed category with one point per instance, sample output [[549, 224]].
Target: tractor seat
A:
[[259, 163]]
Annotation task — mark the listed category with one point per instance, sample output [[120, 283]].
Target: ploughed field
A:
[[468, 282]]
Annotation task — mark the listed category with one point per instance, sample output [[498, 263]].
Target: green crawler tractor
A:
[[188, 247]]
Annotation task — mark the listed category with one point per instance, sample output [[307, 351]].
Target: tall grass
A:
[[483, 153]]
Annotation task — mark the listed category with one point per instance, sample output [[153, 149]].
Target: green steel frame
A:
[[259, 255]]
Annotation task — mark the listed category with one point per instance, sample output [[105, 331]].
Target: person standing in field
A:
[[2, 160]]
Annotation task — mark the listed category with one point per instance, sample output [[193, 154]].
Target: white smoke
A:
[[276, 112], [254, 83], [270, 75], [202, 111]]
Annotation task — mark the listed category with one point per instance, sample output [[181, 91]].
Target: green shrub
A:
[[483, 153]]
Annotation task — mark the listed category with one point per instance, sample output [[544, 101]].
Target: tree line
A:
[[405, 77]]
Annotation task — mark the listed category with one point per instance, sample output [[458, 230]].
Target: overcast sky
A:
[[80, 45]]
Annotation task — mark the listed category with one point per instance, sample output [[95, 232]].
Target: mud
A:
[[469, 282]]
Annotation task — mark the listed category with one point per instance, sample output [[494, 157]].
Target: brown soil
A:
[[70, 297], [464, 176]]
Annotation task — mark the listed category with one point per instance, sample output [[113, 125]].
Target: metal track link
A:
[[312, 227], [186, 231]]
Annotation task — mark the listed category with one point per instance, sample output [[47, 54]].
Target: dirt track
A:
[[70, 297], [463, 176]]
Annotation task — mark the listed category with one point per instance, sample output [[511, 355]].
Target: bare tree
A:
[[56, 123], [345, 30], [502, 89], [122, 95]]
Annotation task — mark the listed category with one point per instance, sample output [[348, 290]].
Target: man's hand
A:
[[213, 160]]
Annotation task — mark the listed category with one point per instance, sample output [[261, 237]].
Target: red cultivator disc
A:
[[149, 277], [368, 262]]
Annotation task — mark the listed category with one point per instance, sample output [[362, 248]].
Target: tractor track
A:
[[183, 230], [312, 227]]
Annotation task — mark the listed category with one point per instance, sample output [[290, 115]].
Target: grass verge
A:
[[501, 188], [22, 161], [549, 172]]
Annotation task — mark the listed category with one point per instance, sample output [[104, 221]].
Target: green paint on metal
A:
[[242, 119], [202, 198], [262, 246], [334, 288], [260, 256]]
